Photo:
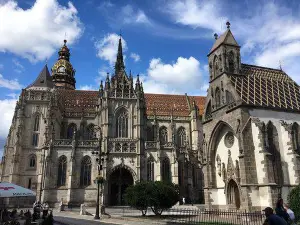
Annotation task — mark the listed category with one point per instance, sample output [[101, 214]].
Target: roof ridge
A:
[[262, 67]]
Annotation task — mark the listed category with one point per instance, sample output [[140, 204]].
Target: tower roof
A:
[[119, 66], [226, 38], [43, 80]]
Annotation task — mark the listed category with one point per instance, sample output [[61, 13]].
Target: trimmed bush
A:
[[157, 195]]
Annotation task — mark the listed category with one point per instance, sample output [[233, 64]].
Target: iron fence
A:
[[197, 216]]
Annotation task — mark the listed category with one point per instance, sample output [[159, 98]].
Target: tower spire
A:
[[119, 66]]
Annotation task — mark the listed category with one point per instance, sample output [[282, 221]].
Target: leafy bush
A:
[[157, 195], [294, 201]]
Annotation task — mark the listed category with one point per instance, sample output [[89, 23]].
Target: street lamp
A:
[[101, 156]]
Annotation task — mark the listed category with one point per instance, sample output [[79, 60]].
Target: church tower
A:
[[63, 74]]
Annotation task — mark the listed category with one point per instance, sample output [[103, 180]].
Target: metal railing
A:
[[197, 216]]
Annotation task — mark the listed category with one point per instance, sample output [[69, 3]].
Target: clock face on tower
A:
[[61, 69]]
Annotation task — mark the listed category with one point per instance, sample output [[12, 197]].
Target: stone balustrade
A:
[[151, 145], [62, 142], [119, 145]]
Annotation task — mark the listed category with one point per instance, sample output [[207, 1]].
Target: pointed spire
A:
[[43, 80], [119, 66], [107, 82]]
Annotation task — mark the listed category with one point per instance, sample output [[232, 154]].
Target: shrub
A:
[[157, 195], [294, 201]]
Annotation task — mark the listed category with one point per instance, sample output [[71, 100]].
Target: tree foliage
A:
[[294, 201], [157, 195]]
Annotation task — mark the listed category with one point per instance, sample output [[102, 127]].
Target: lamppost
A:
[[101, 156]]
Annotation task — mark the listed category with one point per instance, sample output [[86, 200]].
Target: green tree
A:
[[294, 201], [157, 195]]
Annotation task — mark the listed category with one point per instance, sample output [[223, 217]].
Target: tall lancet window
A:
[[86, 171], [71, 129], [163, 135], [62, 171], [122, 124], [231, 62], [295, 136], [181, 137], [150, 169], [165, 170], [36, 128], [218, 97]]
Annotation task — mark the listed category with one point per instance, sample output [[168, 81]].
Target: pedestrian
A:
[[281, 211], [183, 201], [273, 219], [291, 213]]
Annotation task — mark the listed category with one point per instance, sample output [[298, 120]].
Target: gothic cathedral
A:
[[238, 147]]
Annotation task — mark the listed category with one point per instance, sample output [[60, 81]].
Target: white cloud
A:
[[135, 57], [43, 26], [19, 68], [7, 108], [10, 84], [108, 48], [203, 14], [131, 15], [185, 75]]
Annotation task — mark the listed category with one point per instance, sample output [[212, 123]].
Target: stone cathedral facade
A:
[[238, 147], [56, 128]]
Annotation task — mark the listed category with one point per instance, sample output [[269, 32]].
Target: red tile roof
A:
[[162, 104]]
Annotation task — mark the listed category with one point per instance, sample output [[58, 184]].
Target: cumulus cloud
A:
[[43, 26], [185, 75], [135, 57], [9, 84], [7, 107], [203, 14], [107, 47]]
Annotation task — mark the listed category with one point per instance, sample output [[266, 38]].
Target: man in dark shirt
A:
[[273, 219]]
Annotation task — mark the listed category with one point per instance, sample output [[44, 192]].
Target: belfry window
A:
[[150, 169], [86, 171], [122, 124], [62, 171], [163, 135], [181, 137], [231, 62]]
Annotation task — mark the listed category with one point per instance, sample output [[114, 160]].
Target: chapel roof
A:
[[266, 87], [160, 104]]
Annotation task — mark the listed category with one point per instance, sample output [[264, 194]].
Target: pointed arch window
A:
[[62, 171], [36, 128], [231, 62], [90, 132], [270, 136], [32, 161], [181, 137], [150, 169], [122, 124], [218, 97], [165, 170], [216, 67], [163, 135], [86, 171], [181, 173], [208, 111], [295, 136], [71, 129]]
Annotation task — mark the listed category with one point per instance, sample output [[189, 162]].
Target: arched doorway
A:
[[119, 180], [233, 195]]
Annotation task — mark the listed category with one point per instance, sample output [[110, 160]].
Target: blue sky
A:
[[165, 41]]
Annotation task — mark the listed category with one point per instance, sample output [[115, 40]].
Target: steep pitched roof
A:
[[161, 104], [266, 87], [226, 38], [43, 80]]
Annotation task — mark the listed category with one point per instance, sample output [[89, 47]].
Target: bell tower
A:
[[63, 74], [224, 56]]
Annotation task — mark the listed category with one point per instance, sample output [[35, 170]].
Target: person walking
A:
[[273, 219], [281, 211]]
